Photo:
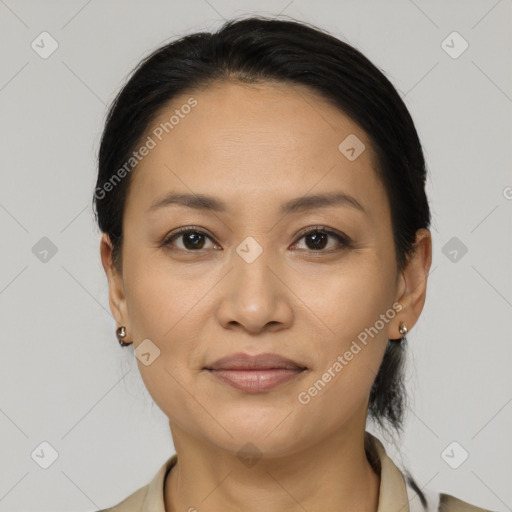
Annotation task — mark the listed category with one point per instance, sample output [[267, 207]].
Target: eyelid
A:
[[175, 234], [324, 229], [344, 240]]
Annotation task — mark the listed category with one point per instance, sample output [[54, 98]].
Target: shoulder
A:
[[147, 498], [400, 491], [448, 503], [132, 503], [429, 500]]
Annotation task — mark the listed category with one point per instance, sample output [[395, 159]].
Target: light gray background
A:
[[64, 379]]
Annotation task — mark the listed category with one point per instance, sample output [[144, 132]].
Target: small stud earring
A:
[[402, 329], [121, 335]]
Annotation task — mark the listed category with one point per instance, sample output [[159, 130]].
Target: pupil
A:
[[195, 238], [318, 239]]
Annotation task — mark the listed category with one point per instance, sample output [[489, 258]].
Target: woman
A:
[[261, 194]]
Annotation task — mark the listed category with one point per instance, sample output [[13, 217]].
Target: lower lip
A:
[[256, 381]]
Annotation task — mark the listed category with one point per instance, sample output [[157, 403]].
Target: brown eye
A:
[[316, 240], [191, 240]]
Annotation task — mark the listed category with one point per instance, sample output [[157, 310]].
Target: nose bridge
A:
[[252, 273], [255, 297]]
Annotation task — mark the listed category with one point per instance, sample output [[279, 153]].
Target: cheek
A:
[[349, 359], [165, 306], [351, 297], [353, 306], [159, 298], [161, 309]]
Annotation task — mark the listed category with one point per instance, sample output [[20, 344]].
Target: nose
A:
[[255, 296]]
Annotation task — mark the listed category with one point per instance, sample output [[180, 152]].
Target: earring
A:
[[402, 329], [121, 335]]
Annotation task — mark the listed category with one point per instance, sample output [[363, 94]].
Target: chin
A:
[[272, 446], [269, 429]]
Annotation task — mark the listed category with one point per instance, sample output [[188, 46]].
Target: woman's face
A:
[[247, 278]]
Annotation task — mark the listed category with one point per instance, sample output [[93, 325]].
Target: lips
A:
[[255, 374], [265, 361]]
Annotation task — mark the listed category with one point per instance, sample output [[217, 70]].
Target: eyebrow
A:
[[300, 204]]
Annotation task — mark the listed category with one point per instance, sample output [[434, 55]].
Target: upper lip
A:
[[267, 361]]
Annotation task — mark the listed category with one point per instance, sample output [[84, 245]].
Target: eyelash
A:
[[343, 239]]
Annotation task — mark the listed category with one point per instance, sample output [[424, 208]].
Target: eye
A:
[[192, 239], [316, 239]]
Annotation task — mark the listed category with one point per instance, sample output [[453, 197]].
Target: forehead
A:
[[258, 142]]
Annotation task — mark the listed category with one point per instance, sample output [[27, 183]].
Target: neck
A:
[[332, 475]]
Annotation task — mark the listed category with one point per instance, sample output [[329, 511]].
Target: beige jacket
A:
[[397, 493]]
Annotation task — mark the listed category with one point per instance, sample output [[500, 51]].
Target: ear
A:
[[117, 300], [412, 287]]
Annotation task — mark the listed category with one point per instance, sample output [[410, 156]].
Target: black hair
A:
[[261, 50]]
